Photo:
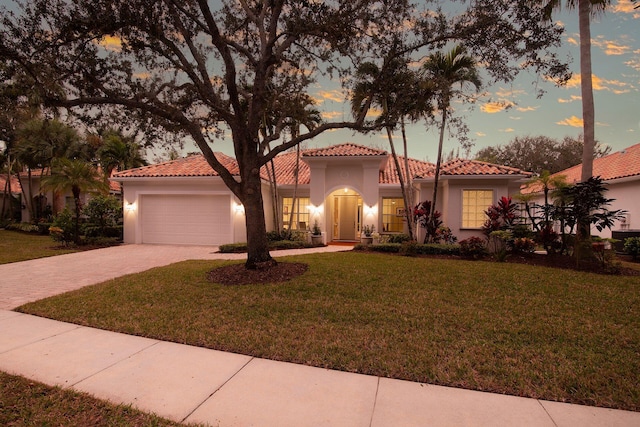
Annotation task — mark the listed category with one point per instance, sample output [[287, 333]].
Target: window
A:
[[474, 203], [300, 213], [392, 215]]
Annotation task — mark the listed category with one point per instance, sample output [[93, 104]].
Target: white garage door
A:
[[186, 219]]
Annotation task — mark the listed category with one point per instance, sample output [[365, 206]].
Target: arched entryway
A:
[[346, 214]]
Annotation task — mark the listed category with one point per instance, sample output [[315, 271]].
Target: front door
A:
[[347, 216]]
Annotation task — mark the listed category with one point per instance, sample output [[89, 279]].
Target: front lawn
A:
[[30, 403], [17, 246], [509, 328]]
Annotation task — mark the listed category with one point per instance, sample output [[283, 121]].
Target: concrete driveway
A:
[[28, 281]]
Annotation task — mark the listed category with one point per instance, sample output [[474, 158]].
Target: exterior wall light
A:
[[238, 208], [130, 207]]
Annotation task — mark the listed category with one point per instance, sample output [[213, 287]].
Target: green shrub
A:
[[396, 238], [25, 227], [62, 228], [233, 248], [104, 215], [524, 244], [380, 247], [632, 246], [409, 248], [473, 247]]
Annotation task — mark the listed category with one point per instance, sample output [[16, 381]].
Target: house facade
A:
[[620, 171], [342, 188]]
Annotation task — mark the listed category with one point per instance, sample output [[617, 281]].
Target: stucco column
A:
[[318, 171], [370, 192]]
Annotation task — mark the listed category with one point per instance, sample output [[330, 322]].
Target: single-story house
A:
[[620, 171], [46, 203], [342, 187]]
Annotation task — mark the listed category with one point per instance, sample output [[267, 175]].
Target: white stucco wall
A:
[[135, 188]]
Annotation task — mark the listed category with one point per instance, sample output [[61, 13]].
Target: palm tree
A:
[[586, 8], [77, 176], [393, 89], [444, 71], [119, 153]]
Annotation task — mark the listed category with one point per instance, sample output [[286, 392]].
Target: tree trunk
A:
[[296, 174], [438, 162], [401, 179], [588, 108], [76, 199], [409, 201], [257, 243]]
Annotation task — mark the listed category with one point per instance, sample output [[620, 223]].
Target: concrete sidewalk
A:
[[193, 384]]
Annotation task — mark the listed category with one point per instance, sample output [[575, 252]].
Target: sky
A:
[[616, 81]]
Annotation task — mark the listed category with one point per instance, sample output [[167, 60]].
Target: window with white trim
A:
[[474, 204], [300, 213], [392, 215]]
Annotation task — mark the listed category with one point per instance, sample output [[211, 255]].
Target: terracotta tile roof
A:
[[475, 167], [344, 150], [15, 184], [188, 166], [417, 168], [621, 164], [285, 164]]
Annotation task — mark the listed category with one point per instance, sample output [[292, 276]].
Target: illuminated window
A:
[[300, 219], [474, 203], [392, 215]]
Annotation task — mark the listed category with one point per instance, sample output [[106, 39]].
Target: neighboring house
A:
[[45, 202], [342, 187], [620, 171], [16, 191]]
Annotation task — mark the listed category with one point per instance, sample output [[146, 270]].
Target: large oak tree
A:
[[202, 69]]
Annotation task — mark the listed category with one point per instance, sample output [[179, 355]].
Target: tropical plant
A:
[[445, 71], [118, 152], [501, 216], [632, 246], [368, 230], [428, 220], [104, 215], [76, 176], [473, 247]]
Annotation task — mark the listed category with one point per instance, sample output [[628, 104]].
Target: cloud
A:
[[610, 47], [527, 109], [111, 43], [509, 93], [515, 118], [496, 106], [634, 62], [572, 121], [480, 134], [573, 41], [507, 130], [599, 84], [573, 98], [626, 7], [331, 95], [329, 115]]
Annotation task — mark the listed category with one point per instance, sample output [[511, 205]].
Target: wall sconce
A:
[[370, 210], [315, 210], [130, 207], [238, 208]]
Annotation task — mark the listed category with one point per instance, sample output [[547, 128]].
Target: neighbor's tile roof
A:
[[284, 165], [621, 164], [344, 150], [15, 184], [195, 165]]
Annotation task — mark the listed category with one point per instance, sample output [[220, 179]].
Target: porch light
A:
[[130, 207], [370, 210], [238, 208]]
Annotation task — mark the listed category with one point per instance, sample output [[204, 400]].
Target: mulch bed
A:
[[237, 274]]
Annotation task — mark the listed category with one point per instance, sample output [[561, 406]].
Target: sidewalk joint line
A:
[[184, 420], [547, 412], [117, 361], [375, 402]]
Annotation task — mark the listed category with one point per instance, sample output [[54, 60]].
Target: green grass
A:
[[508, 328], [29, 403], [16, 246]]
